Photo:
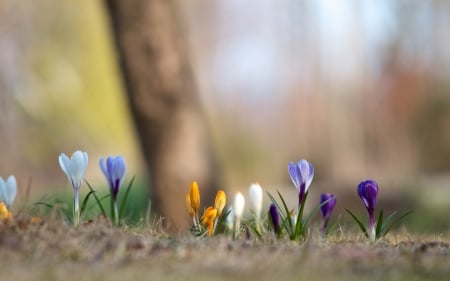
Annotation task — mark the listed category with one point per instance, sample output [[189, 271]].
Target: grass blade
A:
[[288, 217], [125, 198], [361, 225], [50, 206], [97, 200], [379, 225], [388, 228], [85, 201]]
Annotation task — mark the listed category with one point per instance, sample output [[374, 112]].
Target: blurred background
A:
[[359, 88]]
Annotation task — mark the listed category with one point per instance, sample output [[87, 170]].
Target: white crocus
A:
[[255, 194], [238, 210], [8, 190], [229, 219], [75, 168]]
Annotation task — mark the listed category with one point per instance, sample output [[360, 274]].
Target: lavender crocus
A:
[[275, 218], [114, 169], [327, 202], [368, 191], [301, 174]]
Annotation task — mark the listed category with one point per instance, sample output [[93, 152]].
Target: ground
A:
[[53, 250]]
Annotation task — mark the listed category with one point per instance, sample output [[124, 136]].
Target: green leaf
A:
[[125, 198], [290, 227], [379, 225], [387, 220], [50, 206], [300, 227], [388, 228], [85, 201], [360, 224], [97, 200]]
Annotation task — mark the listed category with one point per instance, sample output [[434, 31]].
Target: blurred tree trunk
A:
[[164, 103]]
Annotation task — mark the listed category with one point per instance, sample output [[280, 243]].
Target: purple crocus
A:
[[326, 208], [275, 217], [368, 191], [114, 170], [302, 174]]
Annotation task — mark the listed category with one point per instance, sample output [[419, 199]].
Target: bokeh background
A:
[[359, 88]]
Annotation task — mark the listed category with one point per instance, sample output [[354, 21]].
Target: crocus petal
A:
[[238, 205], [368, 191], [105, 171], [64, 163], [194, 193], [275, 217], [10, 190], [79, 163], [74, 168], [296, 176], [189, 206], [328, 207], [307, 172], [114, 169], [255, 194], [221, 200]]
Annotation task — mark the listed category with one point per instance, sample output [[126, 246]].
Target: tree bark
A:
[[163, 99]]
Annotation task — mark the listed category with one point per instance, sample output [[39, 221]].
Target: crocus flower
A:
[[209, 218], [255, 195], [238, 211], [193, 201], [8, 190], [220, 202], [114, 169], [368, 191], [301, 174], [74, 168], [275, 218], [326, 208]]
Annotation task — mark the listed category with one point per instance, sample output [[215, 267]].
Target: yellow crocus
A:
[[194, 197], [208, 219], [189, 205], [221, 200], [5, 214]]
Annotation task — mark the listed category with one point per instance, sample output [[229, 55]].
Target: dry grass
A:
[[52, 250]]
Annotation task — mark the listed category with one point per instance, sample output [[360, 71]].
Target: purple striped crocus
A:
[[114, 169], [275, 218], [368, 191], [301, 174], [327, 202]]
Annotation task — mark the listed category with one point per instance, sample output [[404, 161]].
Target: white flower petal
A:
[[11, 190], [238, 205], [75, 167], [64, 163], [255, 194]]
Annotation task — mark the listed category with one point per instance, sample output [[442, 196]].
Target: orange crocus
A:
[[208, 219], [194, 194], [5, 214], [221, 200]]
